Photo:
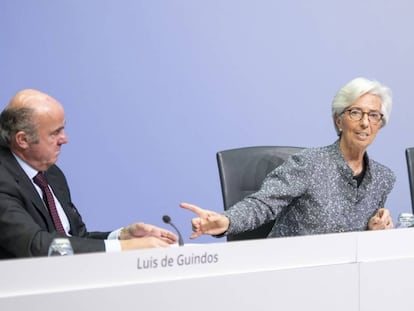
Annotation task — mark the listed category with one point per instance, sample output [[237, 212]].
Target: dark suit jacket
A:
[[26, 228]]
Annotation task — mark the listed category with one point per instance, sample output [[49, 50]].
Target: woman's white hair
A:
[[356, 88]]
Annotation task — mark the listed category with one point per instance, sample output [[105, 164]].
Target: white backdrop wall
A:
[[153, 89]]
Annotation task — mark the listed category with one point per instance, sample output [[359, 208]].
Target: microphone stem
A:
[[167, 220], [180, 238]]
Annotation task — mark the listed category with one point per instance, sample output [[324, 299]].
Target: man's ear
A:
[[22, 140]]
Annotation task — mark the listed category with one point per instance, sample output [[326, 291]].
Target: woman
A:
[[336, 188]]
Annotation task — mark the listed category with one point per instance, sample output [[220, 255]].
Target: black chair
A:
[[409, 154], [242, 172]]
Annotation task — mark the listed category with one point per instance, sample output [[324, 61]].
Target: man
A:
[[31, 136]]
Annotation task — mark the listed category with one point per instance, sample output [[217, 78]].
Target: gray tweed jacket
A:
[[314, 192]]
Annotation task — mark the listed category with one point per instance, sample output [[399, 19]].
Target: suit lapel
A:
[[24, 182]]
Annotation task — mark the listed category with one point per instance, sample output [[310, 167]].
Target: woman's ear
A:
[[338, 122]]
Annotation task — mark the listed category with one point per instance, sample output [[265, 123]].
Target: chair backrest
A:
[[242, 172], [409, 154]]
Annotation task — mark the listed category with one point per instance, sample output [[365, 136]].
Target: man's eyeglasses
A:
[[357, 114]]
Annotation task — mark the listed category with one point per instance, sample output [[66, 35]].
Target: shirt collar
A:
[[30, 171]]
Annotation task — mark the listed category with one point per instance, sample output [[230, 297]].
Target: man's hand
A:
[[141, 230], [139, 243]]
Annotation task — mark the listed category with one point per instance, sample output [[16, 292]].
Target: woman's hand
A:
[[381, 220], [207, 222]]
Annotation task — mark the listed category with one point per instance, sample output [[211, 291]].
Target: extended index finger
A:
[[194, 208], [383, 213]]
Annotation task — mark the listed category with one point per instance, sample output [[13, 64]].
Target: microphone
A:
[[167, 220]]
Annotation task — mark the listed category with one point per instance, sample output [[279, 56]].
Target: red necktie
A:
[[41, 181]]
